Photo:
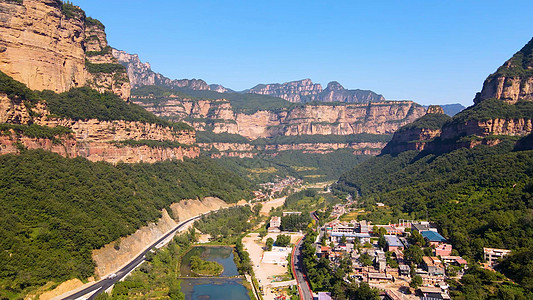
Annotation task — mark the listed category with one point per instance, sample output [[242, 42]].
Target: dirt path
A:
[[267, 206]]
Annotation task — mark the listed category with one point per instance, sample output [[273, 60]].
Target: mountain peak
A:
[[512, 81], [334, 85]]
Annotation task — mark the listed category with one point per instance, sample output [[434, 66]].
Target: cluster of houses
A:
[[269, 189], [360, 239]]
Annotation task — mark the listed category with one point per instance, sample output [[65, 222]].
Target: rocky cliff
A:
[[417, 135], [306, 91], [321, 125], [141, 74], [503, 110], [513, 81], [27, 124], [50, 45]]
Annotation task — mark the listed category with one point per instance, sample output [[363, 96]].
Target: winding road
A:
[[92, 291]]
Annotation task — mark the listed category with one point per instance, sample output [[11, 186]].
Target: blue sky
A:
[[432, 52]]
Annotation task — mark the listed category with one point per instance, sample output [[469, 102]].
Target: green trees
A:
[[362, 291], [416, 281], [519, 267], [205, 268], [295, 222], [226, 225], [414, 254], [365, 259], [85, 103], [269, 244], [479, 197], [54, 211], [283, 240]]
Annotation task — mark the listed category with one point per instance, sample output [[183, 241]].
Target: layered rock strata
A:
[[93, 139], [513, 81], [218, 116], [49, 45]]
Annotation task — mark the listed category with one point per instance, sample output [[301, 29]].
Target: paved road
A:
[[104, 284], [297, 267]]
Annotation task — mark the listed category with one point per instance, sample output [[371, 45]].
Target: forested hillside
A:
[[480, 197], [54, 211]]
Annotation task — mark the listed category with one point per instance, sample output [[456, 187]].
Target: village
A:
[[406, 260]]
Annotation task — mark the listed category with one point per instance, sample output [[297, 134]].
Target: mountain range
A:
[[87, 161]]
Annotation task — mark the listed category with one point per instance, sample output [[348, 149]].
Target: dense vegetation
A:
[[519, 65], [295, 222], [158, 276], [85, 103], [70, 10], [54, 211], [107, 68], [312, 167], [17, 91], [479, 283], [223, 137], [493, 109], [205, 268], [309, 200], [36, 131], [428, 121], [480, 197], [227, 224]]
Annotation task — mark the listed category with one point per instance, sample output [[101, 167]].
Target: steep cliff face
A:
[[27, 124], [104, 71], [513, 80], [43, 44], [218, 115], [305, 91], [40, 46], [503, 110], [418, 135], [321, 121], [109, 141], [141, 74]]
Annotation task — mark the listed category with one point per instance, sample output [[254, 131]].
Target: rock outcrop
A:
[[513, 81], [417, 135], [40, 46], [503, 109], [346, 119], [50, 45], [104, 71], [219, 116], [111, 141], [306, 91], [141, 74]]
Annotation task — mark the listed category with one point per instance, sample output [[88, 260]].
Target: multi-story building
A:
[[491, 255]]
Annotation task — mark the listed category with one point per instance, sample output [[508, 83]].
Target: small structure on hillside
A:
[[491, 255]]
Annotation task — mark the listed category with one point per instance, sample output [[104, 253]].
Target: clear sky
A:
[[429, 51]]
